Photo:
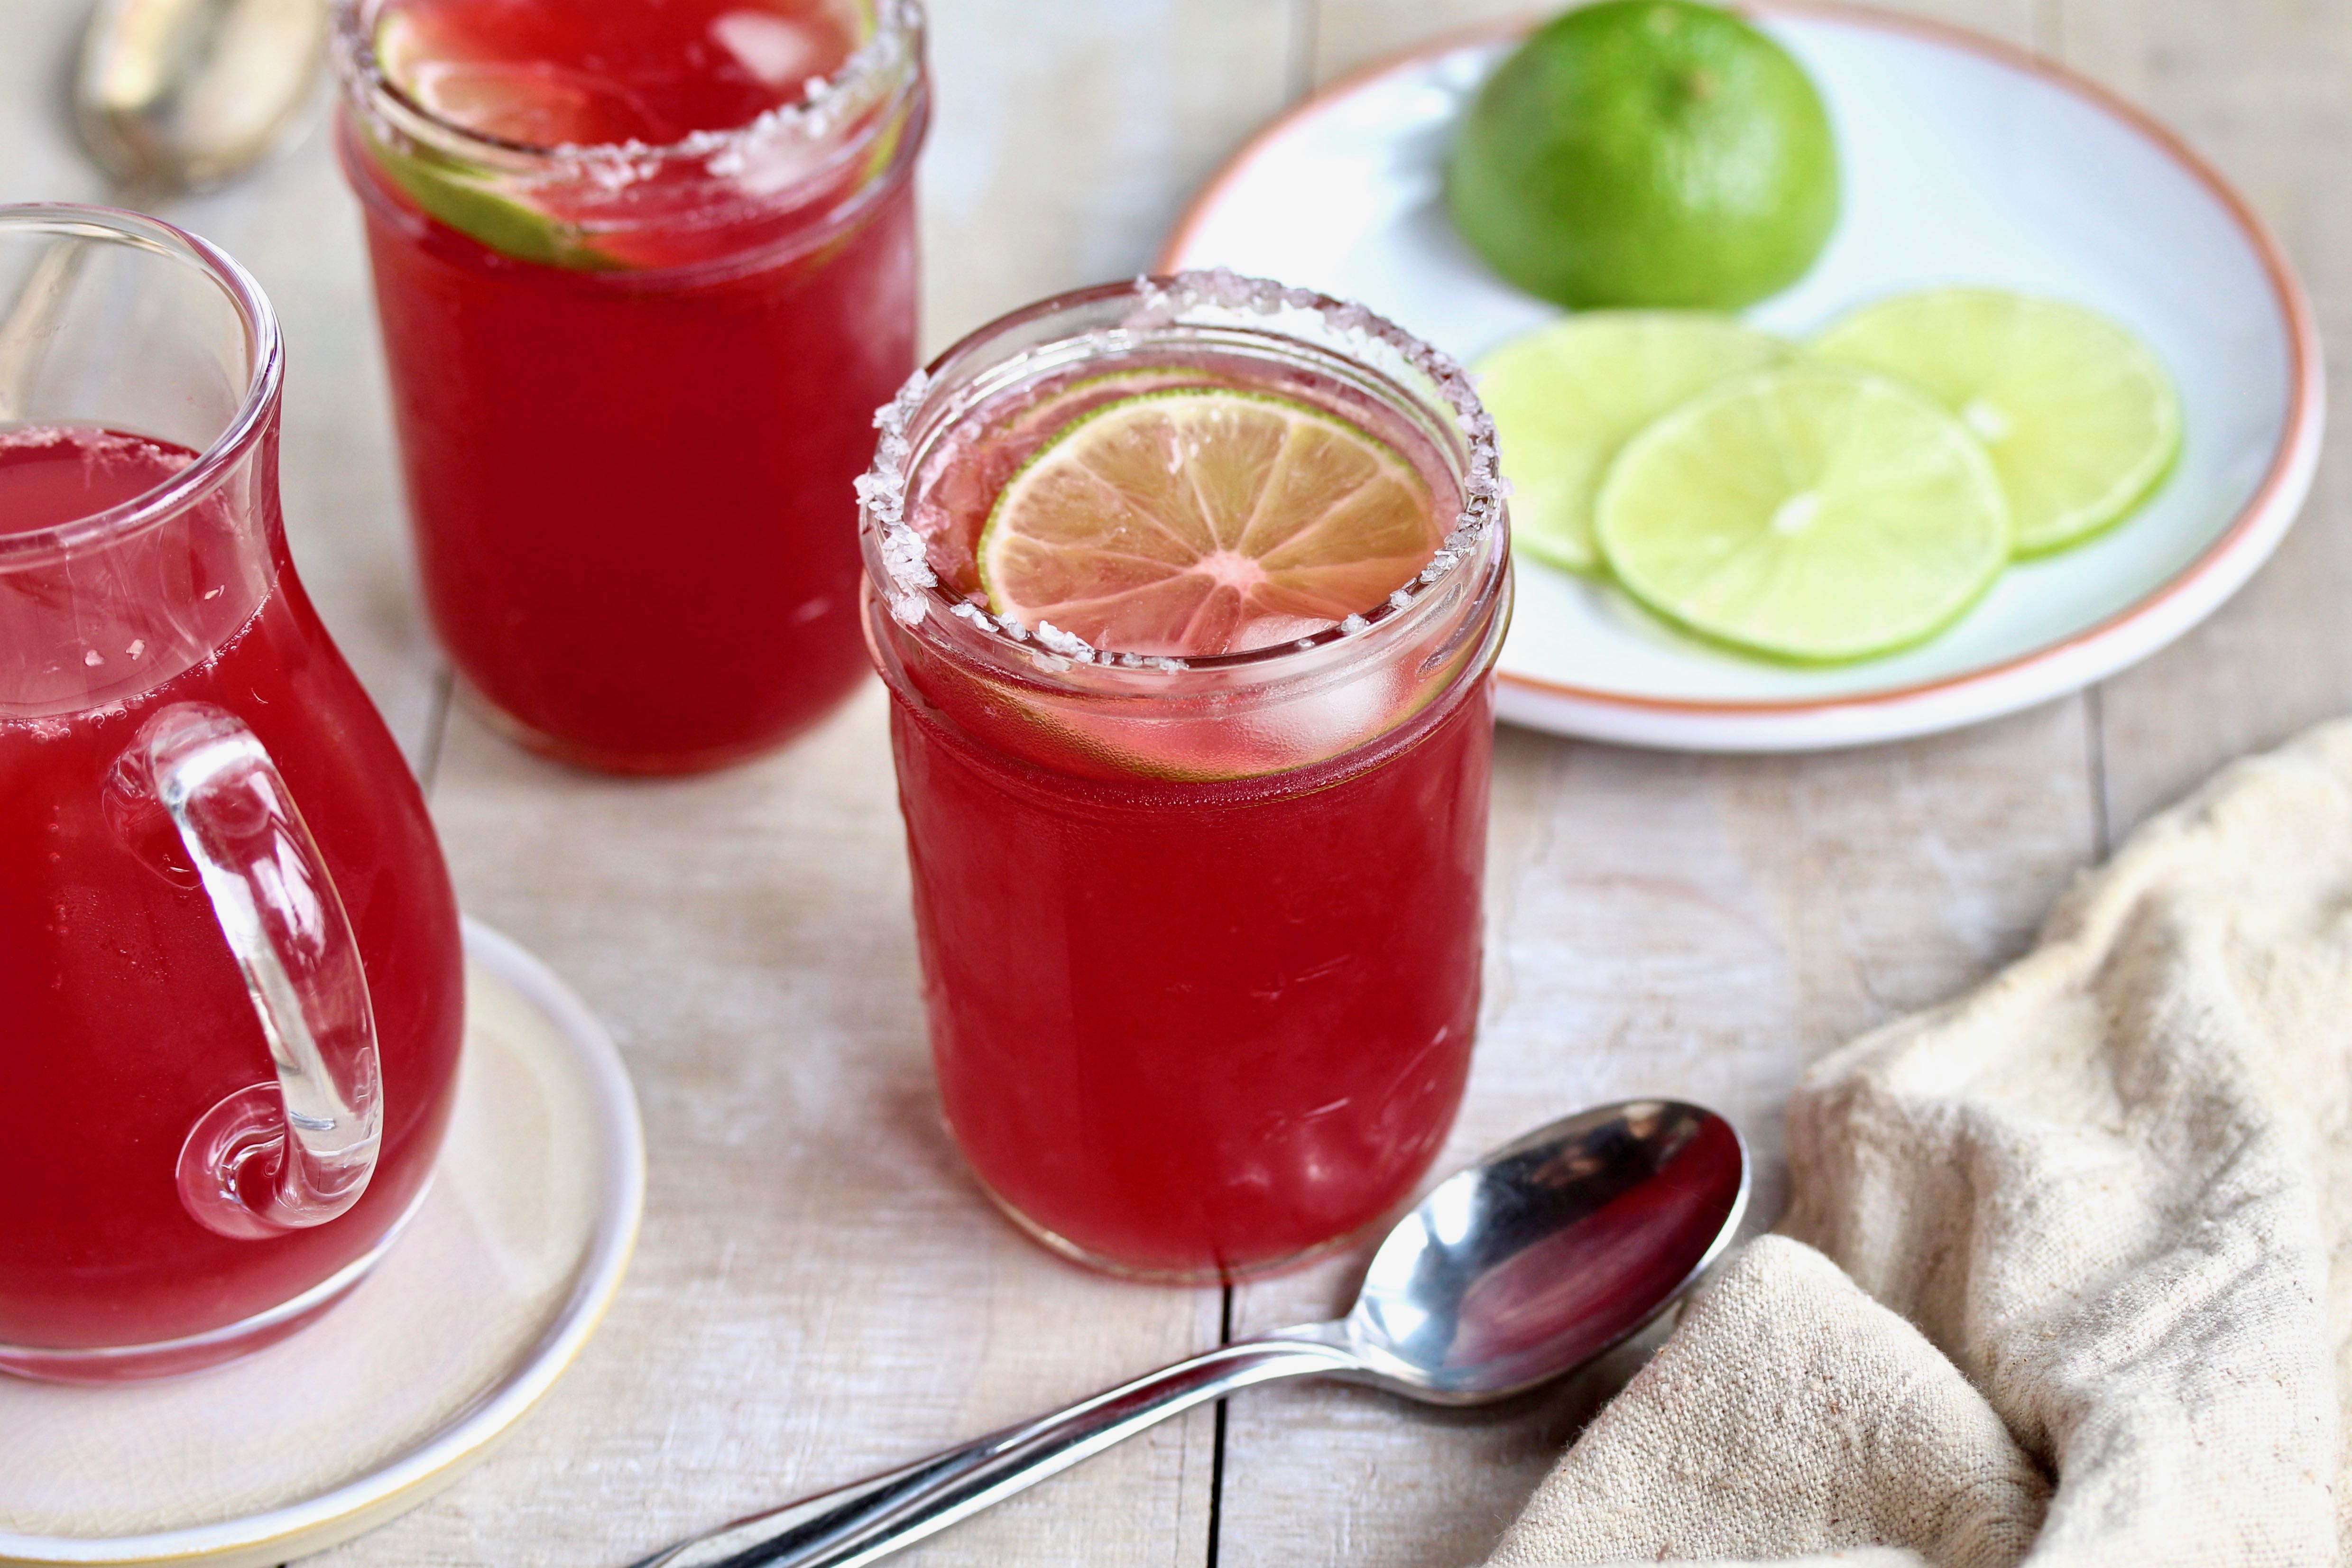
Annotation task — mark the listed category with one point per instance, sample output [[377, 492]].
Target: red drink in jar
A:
[[177, 729], [1198, 848], [643, 270]]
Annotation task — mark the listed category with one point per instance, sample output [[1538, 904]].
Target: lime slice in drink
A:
[[2080, 417], [1565, 398], [464, 80], [1065, 403], [512, 103], [1811, 512], [1204, 521]]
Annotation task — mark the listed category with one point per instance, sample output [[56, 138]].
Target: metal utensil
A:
[[1522, 1268], [183, 95], [169, 96]]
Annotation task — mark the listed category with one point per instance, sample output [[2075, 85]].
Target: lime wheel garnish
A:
[[1205, 520]]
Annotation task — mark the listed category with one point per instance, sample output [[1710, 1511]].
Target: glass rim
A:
[[886, 56], [264, 377], [898, 566]]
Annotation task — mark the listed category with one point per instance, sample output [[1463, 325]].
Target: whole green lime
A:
[[1647, 153]]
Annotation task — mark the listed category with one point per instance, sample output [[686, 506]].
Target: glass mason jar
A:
[[632, 387], [1201, 938], [231, 994]]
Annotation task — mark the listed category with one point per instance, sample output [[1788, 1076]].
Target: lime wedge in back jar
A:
[[605, 97], [533, 108]]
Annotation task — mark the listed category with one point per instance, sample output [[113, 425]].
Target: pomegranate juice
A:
[[1196, 1028], [122, 1014], [640, 291], [1199, 932]]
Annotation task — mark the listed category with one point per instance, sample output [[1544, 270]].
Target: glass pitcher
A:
[[230, 981]]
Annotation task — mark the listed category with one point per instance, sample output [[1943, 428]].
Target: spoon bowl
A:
[[1524, 1267], [1549, 1251], [184, 95], [169, 96]]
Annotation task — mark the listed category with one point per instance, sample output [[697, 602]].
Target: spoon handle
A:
[[868, 1520]]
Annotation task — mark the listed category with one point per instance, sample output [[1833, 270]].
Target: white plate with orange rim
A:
[[1965, 161], [491, 1291]]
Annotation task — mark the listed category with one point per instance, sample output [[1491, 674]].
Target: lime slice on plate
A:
[[2079, 416], [1811, 512], [1566, 397], [1204, 521]]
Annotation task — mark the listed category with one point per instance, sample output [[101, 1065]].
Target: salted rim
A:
[[827, 103], [913, 588], [265, 352]]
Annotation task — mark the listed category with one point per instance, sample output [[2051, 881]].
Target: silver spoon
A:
[[169, 96], [184, 95], [1522, 1268]]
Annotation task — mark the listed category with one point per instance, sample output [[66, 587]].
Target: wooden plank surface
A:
[[820, 1291], [1705, 927], [1348, 34], [1071, 132], [2260, 90]]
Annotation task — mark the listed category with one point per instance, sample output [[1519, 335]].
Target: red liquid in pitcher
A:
[[122, 1016], [631, 481]]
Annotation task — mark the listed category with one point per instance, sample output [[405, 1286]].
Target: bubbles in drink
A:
[[73, 639], [51, 474]]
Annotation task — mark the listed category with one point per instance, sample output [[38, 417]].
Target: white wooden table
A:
[[820, 1291]]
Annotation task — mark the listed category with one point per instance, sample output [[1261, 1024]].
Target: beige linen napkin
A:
[[2068, 1297]]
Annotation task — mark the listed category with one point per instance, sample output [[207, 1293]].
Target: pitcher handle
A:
[[297, 1152]]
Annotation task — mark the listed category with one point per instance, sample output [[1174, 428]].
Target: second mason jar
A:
[[1200, 933], [643, 272]]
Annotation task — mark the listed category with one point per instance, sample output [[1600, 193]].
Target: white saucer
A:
[[1965, 161], [499, 1280]]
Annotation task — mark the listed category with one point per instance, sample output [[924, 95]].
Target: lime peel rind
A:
[[459, 201], [452, 193], [1653, 152]]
